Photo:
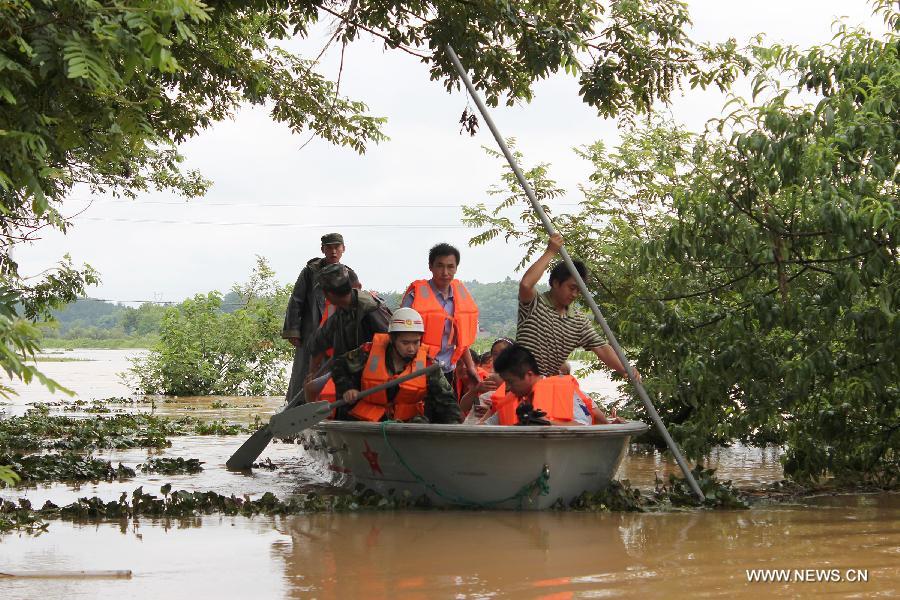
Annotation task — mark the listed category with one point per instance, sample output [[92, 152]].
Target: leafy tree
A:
[[497, 306], [99, 94], [144, 320], [205, 351], [752, 270]]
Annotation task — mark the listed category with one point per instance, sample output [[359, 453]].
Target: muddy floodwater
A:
[[838, 546]]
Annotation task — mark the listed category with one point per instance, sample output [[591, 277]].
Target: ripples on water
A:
[[438, 553], [470, 554]]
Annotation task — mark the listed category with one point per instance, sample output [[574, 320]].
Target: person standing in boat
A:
[[548, 324], [427, 399], [448, 310], [359, 315], [529, 398], [306, 307]]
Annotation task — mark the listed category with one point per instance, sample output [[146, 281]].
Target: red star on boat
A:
[[372, 457]]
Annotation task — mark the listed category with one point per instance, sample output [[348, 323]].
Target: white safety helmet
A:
[[406, 319]]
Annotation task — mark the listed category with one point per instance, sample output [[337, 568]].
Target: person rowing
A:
[[427, 399]]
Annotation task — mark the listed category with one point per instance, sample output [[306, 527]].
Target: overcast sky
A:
[[389, 202]]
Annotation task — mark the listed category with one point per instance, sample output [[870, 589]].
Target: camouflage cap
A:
[[334, 276], [332, 238]]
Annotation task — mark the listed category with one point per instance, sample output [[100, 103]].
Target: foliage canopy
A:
[[752, 270], [98, 94]]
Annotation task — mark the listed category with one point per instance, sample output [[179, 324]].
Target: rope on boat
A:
[[540, 485]]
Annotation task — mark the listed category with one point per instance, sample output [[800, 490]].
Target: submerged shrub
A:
[[206, 350]]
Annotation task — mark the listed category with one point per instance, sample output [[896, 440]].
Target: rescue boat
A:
[[479, 466]]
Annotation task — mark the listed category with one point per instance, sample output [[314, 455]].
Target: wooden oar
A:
[[291, 422], [246, 455]]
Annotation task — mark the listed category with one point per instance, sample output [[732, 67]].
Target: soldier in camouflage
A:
[[306, 306], [359, 316]]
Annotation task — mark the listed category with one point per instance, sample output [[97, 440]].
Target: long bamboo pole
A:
[[598, 316]]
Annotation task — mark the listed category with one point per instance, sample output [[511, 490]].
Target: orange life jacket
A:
[[461, 382], [410, 399], [464, 320], [330, 309], [553, 395], [328, 392], [505, 405]]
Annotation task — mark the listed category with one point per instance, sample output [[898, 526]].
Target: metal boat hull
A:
[[471, 465]]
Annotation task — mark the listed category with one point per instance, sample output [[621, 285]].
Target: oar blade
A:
[[250, 450], [292, 421]]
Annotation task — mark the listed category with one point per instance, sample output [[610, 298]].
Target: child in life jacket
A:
[[528, 398]]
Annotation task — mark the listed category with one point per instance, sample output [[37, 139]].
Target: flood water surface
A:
[[437, 554], [476, 554]]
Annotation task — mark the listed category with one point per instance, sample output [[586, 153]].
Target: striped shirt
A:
[[552, 337]]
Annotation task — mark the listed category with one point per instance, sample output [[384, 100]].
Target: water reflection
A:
[[565, 555], [471, 554], [224, 558]]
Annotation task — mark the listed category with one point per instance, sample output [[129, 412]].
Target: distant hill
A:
[[91, 319], [85, 313]]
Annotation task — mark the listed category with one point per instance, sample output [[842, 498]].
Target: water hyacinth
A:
[[66, 466], [172, 466], [38, 430], [618, 497]]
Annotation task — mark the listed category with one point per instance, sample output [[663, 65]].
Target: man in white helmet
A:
[[426, 399]]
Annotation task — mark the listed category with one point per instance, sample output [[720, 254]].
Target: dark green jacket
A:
[[350, 328], [304, 309]]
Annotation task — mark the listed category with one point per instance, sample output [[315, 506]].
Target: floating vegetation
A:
[[718, 494], [620, 496], [93, 406], [220, 404], [220, 427], [38, 430], [67, 466], [172, 466], [183, 503], [19, 518], [131, 400]]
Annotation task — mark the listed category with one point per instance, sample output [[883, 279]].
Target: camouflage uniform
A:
[[440, 402], [304, 311], [348, 328]]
